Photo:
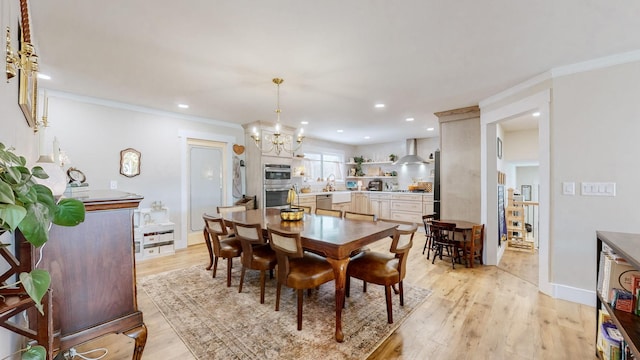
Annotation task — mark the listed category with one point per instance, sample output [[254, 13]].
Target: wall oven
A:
[[277, 182]]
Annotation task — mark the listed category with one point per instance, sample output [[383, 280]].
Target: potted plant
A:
[[30, 208], [359, 160]]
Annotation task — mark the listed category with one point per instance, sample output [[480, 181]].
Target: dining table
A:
[[335, 238], [462, 226]]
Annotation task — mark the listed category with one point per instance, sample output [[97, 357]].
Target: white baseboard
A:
[[573, 294]]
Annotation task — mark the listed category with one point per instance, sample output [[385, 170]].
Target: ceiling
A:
[[338, 58]]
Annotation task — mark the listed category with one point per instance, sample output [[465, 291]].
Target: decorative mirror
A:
[[130, 162]]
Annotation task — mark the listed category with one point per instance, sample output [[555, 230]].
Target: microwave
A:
[[277, 174]]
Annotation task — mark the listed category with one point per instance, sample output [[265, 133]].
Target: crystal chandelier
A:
[[277, 141]]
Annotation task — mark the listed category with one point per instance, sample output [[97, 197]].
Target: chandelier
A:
[[277, 141]]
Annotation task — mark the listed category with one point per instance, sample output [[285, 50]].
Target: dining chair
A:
[[307, 209], [229, 209], [442, 238], [220, 244], [472, 248], [329, 212], [359, 216], [256, 253], [385, 269], [428, 243], [297, 269]]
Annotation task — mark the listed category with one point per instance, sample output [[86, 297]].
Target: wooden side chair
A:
[[385, 269], [220, 244], [359, 216], [442, 239], [256, 253], [472, 248], [428, 243], [297, 269], [328, 212]]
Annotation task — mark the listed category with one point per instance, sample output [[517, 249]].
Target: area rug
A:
[[217, 322]]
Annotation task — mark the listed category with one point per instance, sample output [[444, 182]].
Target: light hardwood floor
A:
[[480, 313]]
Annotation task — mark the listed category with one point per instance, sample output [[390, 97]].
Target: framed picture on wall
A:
[[499, 148]]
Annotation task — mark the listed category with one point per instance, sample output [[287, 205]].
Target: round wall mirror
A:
[[130, 162]]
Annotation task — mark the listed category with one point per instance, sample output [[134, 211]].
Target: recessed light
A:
[[183, 106], [410, 119], [379, 106], [304, 122], [430, 129], [44, 76], [340, 130], [536, 114], [367, 137]]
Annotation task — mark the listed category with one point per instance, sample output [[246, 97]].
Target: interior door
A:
[[206, 179]]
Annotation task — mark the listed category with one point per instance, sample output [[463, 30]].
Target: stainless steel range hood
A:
[[412, 157]]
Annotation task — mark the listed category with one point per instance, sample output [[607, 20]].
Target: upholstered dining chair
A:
[[359, 216], [442, 238], [220, 244], [428, 243], [385, 269], [229, 209], [329, 212], [256, 253], [307, 209], [297, 269]]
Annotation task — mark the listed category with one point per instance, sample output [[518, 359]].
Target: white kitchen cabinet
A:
[[406, 207], [379, 204], [360, 202], [427, 204], [344, 206]]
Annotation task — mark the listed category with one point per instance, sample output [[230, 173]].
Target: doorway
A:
[[206, 181], [490, 129]]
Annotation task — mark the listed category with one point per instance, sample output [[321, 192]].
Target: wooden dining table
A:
[[463, 227], [334, 237]]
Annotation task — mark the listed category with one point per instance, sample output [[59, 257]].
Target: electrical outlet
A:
[[113, 184]]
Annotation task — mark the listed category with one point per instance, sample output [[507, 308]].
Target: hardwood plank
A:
[[480, 313]]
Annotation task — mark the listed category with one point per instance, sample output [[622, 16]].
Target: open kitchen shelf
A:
[[373, 163]]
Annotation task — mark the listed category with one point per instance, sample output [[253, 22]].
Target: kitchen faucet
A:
[[331, 182]]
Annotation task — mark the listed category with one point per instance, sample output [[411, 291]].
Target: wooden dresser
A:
[[92, 268]]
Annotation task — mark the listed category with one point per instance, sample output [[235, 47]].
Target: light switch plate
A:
[[568, 188], [598, 189]]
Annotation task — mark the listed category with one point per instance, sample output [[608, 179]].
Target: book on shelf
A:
[[622, 300], [610, 341], [616, 273]]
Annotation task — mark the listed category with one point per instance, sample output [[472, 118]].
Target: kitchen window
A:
[[323, 165]]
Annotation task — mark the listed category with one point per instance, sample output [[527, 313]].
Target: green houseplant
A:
[[30, 207]]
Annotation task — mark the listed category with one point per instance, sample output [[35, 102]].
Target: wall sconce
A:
[[25, 59]]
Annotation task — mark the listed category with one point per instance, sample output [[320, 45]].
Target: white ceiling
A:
[[338, 58]]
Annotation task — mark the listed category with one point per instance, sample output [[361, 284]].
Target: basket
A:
[[291, 214]]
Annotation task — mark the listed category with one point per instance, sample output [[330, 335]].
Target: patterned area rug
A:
[[216, 322]]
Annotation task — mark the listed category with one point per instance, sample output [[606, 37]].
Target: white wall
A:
[[521, 146], [15, 132], [594, 137], [406, 173], [92, 134]]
